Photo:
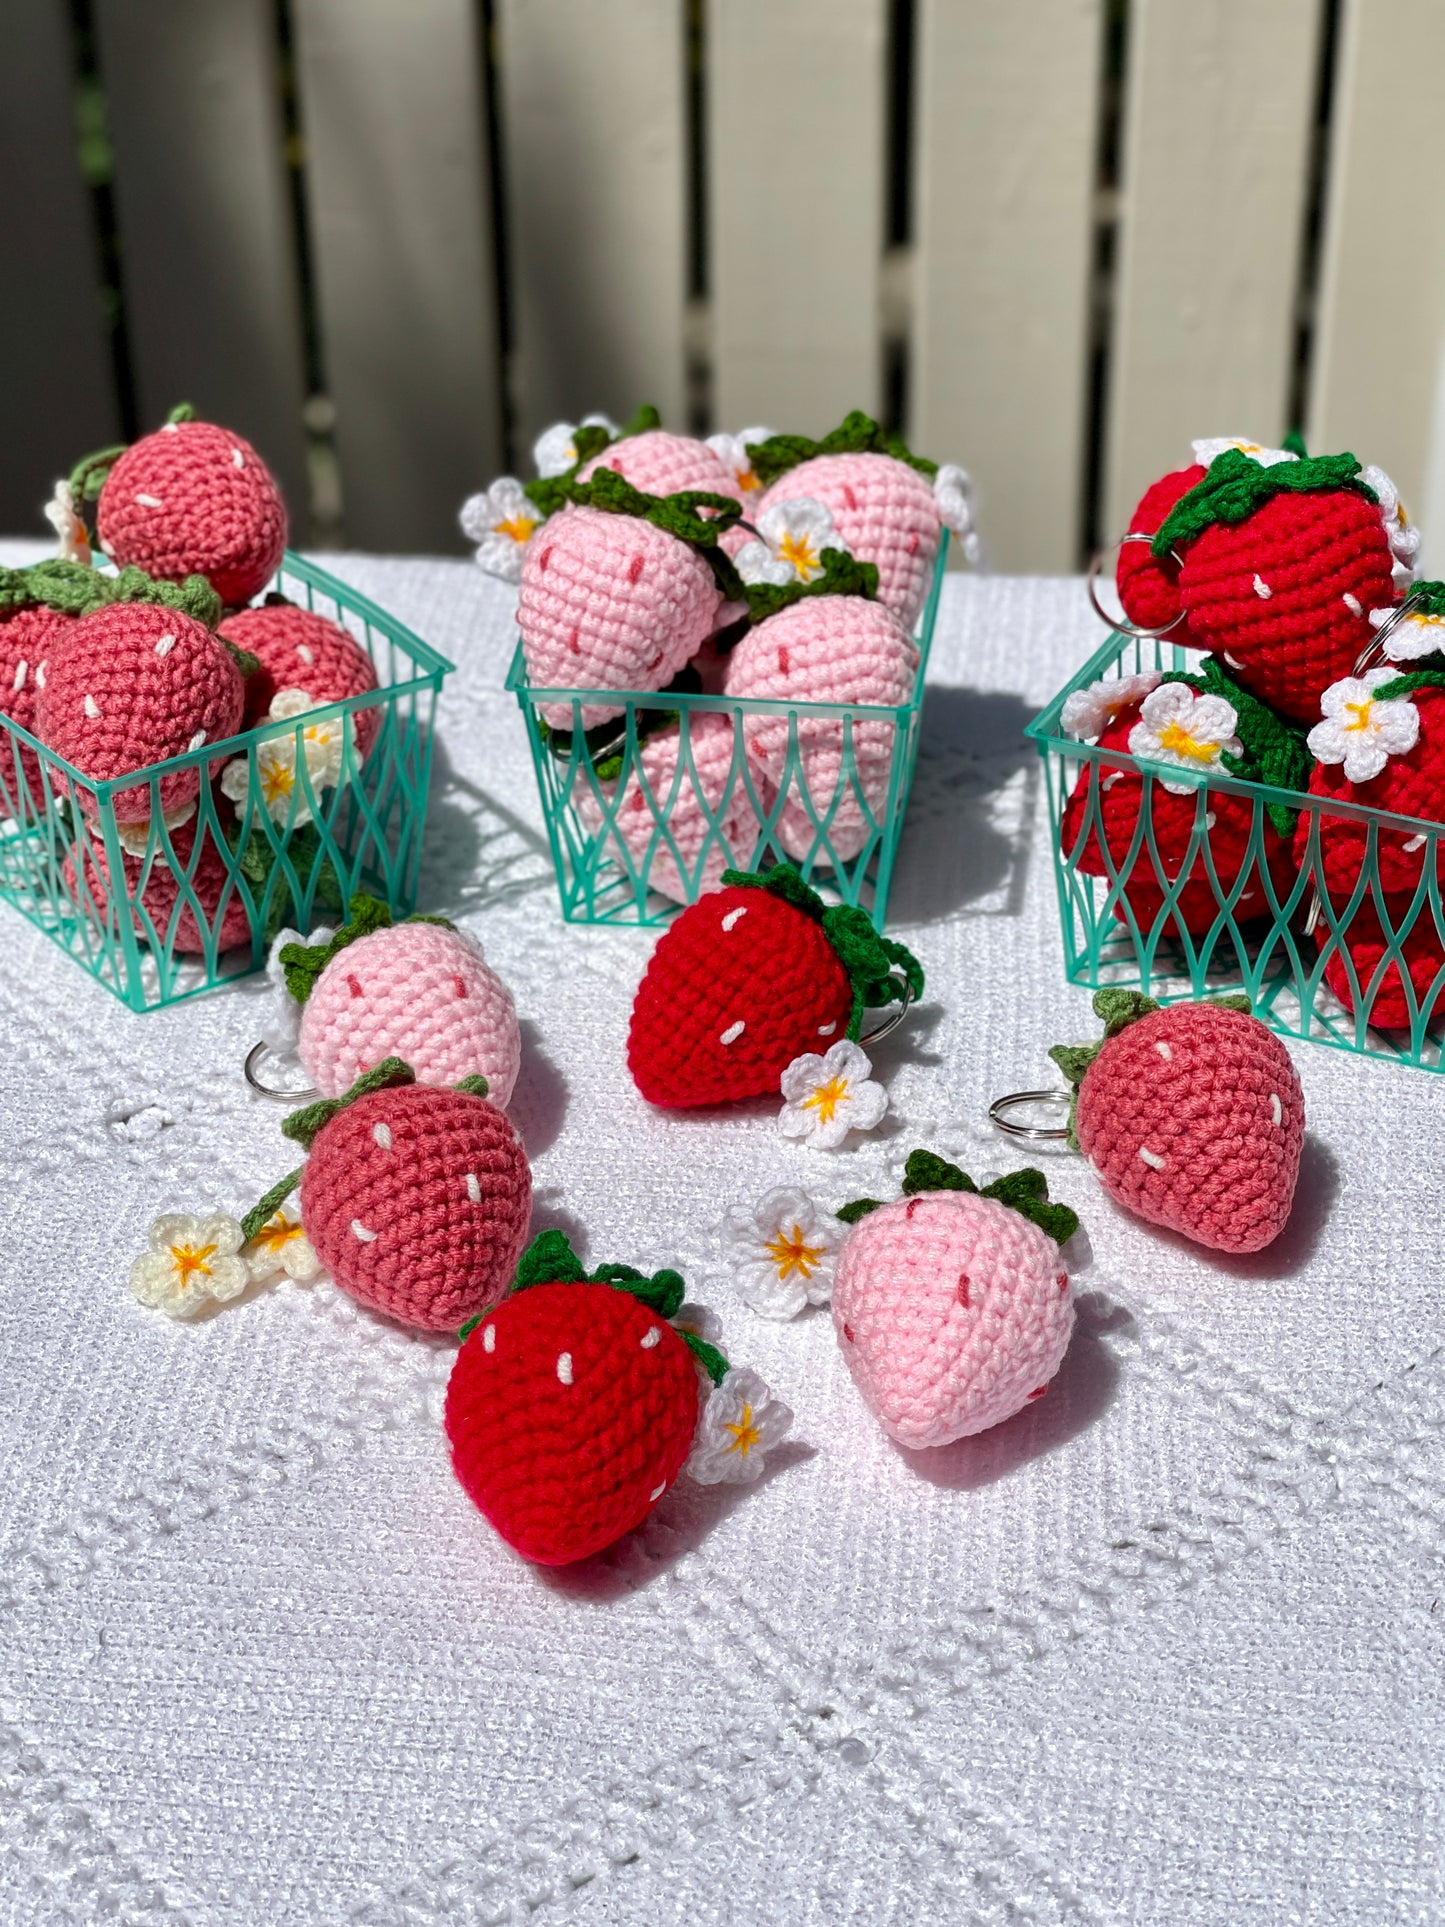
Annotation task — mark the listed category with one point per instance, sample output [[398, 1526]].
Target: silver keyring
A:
[[887, 1028], [281, 1097], [1002, 1105], [1121, 623], [1374, 649]]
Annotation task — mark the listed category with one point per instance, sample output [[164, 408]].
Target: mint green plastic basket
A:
[[199, 905], [1278, 957], [606, 877]]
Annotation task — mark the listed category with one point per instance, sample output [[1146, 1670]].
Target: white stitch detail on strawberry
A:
[[474, 1188], [92, 709], [359, 1230], [733, 1032], [1263, 590], [1276, 1109], [489, 1338], [1353, 604], [381, 1135], [652, 1336], [149, 501], [165, 643], [733, 917], [1153, 1159], [564, 1368]]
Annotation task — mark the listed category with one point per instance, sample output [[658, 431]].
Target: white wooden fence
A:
[[390, 239]]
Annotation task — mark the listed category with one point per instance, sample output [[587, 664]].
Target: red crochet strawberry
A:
[[1362, 967], [1148, 584], [191, 499], [415, 1198], [296, 648], [1192, 1116], [750, 977], [1210, 837], [30, 632], [572, 1405], [165, 892]]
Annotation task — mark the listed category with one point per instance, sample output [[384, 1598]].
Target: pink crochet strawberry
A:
[[952, 1306], [164, 891], [419, 990], [663, 464], [836, 771], [414, 1198], [133, 684], [191, 499], [1191, 1115], [297, 649], [750, 977]]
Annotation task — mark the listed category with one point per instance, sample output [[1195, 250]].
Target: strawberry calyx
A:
[[843, 574], [76, 589], [1236, 485], [678, 515], [856, 434], [873, 963], [550, 1260], [1117, 1009], [303, 1126], [302, 964], [1275, 751], [1026, 1192], [551, 492]]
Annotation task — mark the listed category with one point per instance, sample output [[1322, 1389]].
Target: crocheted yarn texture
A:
[[570, 1411], [952, 1312], [28, 638], [663, 464], [418, 991], [133, 684], [417, 1201], [195, 499], [1361, 947], [884, 510], [167, 893], [298, 649], [1410, 784], [609, 602], [1148, 585]]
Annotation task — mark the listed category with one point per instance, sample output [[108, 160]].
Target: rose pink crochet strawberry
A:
[[1191, 1115], [1361, 966], [191, 499], [750, 977], [165, 895], [419, 990], [133, 684], [298, 649], [691, 809], [952, 1306], [29, 634], [414, 1198], [825, 649]]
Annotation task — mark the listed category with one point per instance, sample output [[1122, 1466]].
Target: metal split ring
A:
[[282, 1097], [891, 1023], [1374, 649], [1001, 1106], [1121, 623]]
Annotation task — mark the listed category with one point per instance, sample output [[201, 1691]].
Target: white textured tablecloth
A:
[[1163, 1648]]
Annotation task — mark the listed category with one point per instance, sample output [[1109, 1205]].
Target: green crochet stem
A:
[[262, 1213], [474, 1086], [1025, 1191], [76, 589], [1117, 1009], [1294, 444], [843, 574], [1236, 486], [870, 960], [1275, 751], [856, 434], [1408, 681], [304, 1126], [91, 472]]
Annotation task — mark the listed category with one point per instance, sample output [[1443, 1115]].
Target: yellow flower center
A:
[[794, 1253], [798, 551], [1361, 714], [1176, 737], [277, 1233], [1249, 448], [276, 779], [518, 526], [748, 481], [187, 1260], [826, 1098], [745, 1434]]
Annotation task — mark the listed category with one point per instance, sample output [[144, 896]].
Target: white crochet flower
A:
[[1400, 531], [794, 536], [953, 497], [322, 743], [134, 838], [1205, 452], [733, 451], [501, 523], [60, 513], [736, 1429], [281, 1246], [782, 1251], [1413, 636], [192, 1260], [554, 450], [282, 1025], [1358, 731], [700, 1321], [1190, 731], [1087, 713], [827, 1097]]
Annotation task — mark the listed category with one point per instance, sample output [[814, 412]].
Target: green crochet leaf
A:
[[641, 422], [710, 1358], [843, 574], [303, 963], [303, 1126], [589, 440], [1427, 598], [663, 1292], [926, 1171], [856, 434], [1117, 1009], [1074, 1059], [69, 588], [870, 961], [859, 1208], [1238, 1001], [193, 597], [549, 1260], [785, 880], [1235, 486], [90, 473], [474, 1086], [183, 411], [256, 859], [261, 1213], [1027, 1192]]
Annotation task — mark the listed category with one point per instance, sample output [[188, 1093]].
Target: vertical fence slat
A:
[[594, 122], [401, 222], [1007, 104], [207, 248], [1216, 146], [55, 374], [795, 169], [1381, 327]]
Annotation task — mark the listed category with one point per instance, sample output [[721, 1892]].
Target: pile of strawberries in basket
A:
[[746, 566], [1323, 673], [116, 669]]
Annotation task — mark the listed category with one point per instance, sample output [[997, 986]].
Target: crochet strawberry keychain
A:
[[751, 977], [952, 1305], [420, 990], [1191, 1115], [576, 1402]]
